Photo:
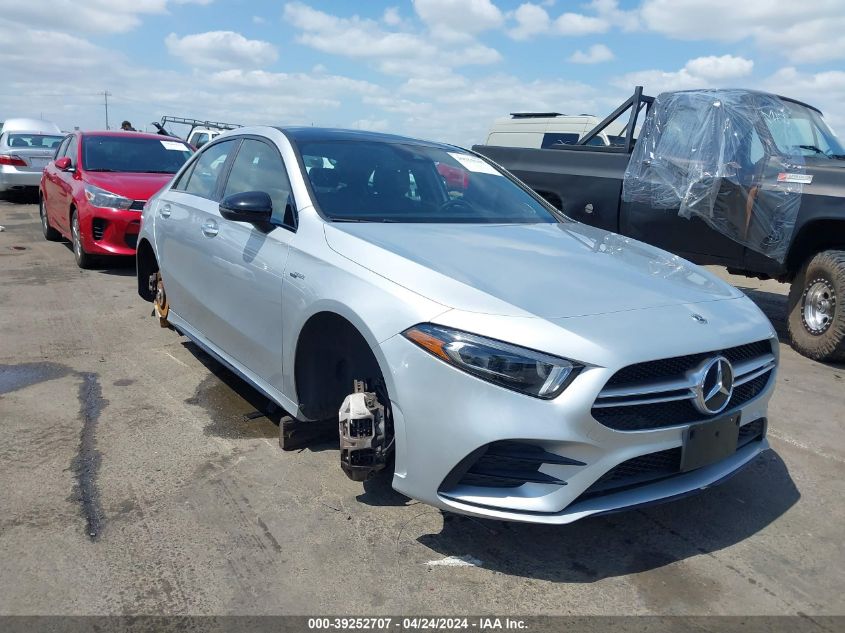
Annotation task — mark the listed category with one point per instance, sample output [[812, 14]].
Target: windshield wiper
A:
[[813, 148], [102, 169], [156, 171]]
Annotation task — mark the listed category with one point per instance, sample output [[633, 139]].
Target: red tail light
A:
[[11, 159]]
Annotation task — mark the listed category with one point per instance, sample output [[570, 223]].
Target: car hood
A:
[[543, 270], [134, 186]]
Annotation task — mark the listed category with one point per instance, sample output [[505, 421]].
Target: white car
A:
[[517, 364], [26, 146]]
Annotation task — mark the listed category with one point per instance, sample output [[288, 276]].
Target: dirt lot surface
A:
[[133, 480]]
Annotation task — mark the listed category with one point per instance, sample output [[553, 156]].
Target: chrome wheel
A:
[[43, 215], [819, 306]]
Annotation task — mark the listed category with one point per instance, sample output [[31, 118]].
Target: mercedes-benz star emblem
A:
[[698, 318], [714, 385]]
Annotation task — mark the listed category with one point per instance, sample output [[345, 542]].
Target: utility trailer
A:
[[744, 179]]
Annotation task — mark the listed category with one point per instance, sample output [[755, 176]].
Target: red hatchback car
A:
[[94, 189]]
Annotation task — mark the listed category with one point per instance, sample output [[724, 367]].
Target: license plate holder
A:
[[708, 442]]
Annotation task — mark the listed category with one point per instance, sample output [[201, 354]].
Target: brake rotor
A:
[[162, 307]]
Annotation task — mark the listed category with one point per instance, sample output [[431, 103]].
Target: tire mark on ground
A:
[[86, 464]]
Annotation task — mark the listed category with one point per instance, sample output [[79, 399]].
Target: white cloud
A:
[[803, 33], [391, 16], [579, 24], [531, 19], [701, 72], [373, 125], [221, 49], [596, 54], [86, 16], [609, 11], [714, 68], [257, 19], [600, 16], [824, 90], [458, 19], [353, 37], [395, 52]]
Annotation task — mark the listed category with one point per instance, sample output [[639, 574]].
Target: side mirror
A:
[[63, 163], [249, 206]]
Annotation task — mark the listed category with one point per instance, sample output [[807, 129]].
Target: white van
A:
[[544, 130]]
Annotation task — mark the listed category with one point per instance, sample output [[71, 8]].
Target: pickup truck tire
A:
[[816, 318]]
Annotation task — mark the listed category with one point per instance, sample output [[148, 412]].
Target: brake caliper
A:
[[363, 434]]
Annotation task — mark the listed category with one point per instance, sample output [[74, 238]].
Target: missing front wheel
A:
[[161, 306], [365, 432]]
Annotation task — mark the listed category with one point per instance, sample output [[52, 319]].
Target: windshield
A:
[[371, 181], [802, 132], [34, 141], [133, 154]]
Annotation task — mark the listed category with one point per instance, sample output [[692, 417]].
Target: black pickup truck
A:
[[751, 181]]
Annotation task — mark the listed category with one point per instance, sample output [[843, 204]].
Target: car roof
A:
[[318, 134], [160, 137], [39, 126]]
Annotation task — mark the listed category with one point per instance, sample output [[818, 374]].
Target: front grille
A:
[[656, 370], [657, 394], [138, 205], [505, 464], [98, 228], [646, 469]]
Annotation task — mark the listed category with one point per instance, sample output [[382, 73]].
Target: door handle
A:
[[209, 229], [165, 211]]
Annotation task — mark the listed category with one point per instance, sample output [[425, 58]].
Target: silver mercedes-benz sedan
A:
[[503, 360]]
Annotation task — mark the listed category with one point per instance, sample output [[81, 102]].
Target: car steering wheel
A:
[[455, 203]]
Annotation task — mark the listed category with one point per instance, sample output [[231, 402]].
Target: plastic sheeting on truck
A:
[[711, 154]]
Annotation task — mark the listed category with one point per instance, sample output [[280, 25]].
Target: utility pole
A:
[[106, 96]]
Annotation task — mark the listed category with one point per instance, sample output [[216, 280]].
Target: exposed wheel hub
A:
[[819, 306], [162, 308]]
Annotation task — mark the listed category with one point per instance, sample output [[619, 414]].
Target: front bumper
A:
[[13, 178], [109, 231], [443, 415]]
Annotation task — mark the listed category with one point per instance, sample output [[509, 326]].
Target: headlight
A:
[[524, 370], [102, 198]]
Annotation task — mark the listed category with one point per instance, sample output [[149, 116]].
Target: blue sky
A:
[[442, 69]]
